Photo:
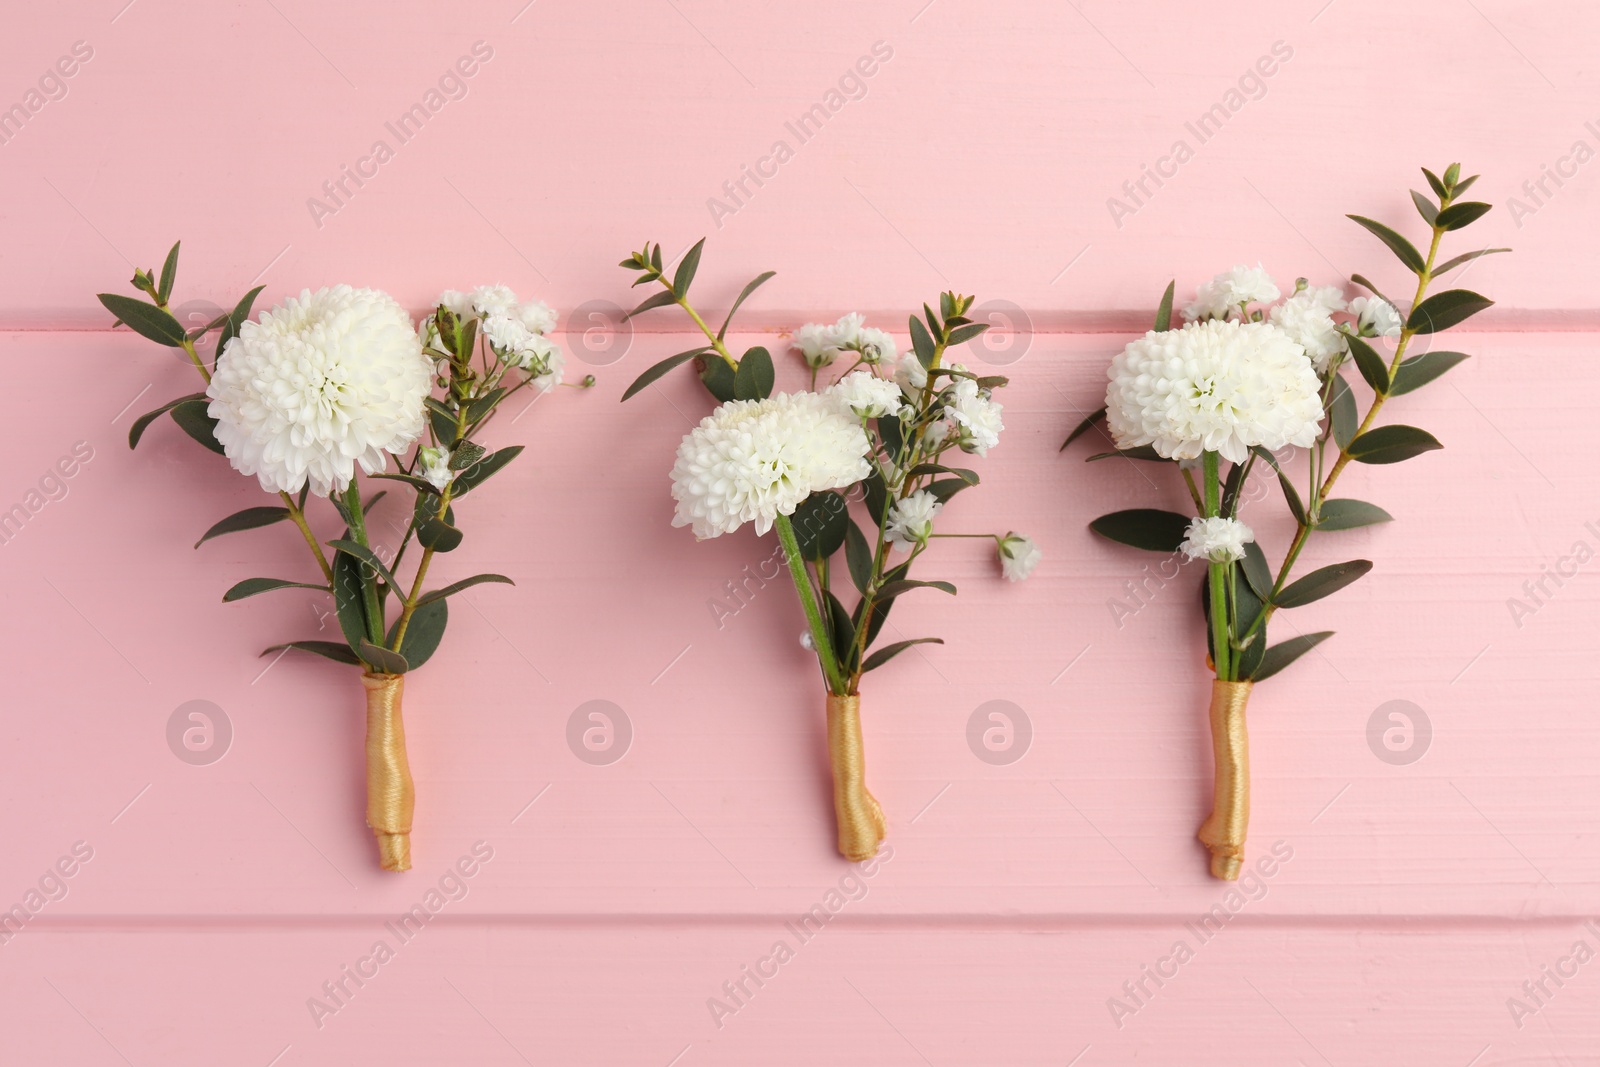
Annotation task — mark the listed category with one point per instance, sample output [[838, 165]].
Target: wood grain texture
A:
[[1019, 897]]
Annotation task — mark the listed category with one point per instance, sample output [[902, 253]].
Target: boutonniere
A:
[[1251, 379], [339, 384], [853, 474]]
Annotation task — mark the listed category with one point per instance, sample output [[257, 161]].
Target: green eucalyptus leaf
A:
[[349, 604], [717, 377], [857, 555], [439, 535], [1418, 371], [687, 267], [142, 423], [421, 485], [1425, 207], [169, 274], [1342, 412], [889, 652], [1435, 184], [1462, 214], [1145, 453], [145, 319], [750, 287], [1147, 528], [423, 632], [1284, 653], [1370, 364], [1324, 581], [659, 369], [1391, 444], [256, 586], [945, 488], [921, 469], [905, 585], [367, 557], [381, 659], [465, 583], [1164, 311], [191, 417], [962, 334], [755, 377], [326, 649], [484, 469], [922, 342], [248, 519], [1465, 257], [1087, 424], [820, 523], [661, 299], [1444, 310], [1340, 514], [1402, 248], [1256, 571]]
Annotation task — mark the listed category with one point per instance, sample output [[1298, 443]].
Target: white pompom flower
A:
[[911, 375], [975, 415], [753, 460], [324, 382], [435, 467], [867, 395], [814, 344], [1215, 386], [1218, 539], [911, 519], [1226, 294], [1307, 317], [1018, 556]]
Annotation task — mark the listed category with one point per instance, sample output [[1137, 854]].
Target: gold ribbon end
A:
[[394, 851], [1225, 867], [861, 824]]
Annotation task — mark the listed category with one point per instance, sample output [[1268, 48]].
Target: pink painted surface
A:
[[1019, 898]]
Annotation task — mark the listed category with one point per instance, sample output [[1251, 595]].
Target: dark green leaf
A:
[[327, 649], [717, 377], [968, 476], [1087, 424], [1359, 280], [236, 319], [1321, 582], [423, 632], [1342, 412], [945, 488], [1443, 310], [755, 377], [348, 601], [421, 485], [465, 583], [191, 416], [1391, 444], [1348, 514], [1284, 653], [1147, 528], [889, 652], [439, 535], [661, 299], [484, 404], [466, 455], [1246, 607], [1404, 249], [962, 334], [443, 421], [754, 284], [1370, 364], [1465, 257], [248, 519], [381, 659], [1465, 213], [169, 274], [484, 469], [254, 586], [1164, 311], [659, 369], [144, 319], [857, 555], [842, 630], [1425, 207], [1418, 371], [819, 525], [893, 435], [921, 342], [905, 585], [1435, 184], [1291, 496], [1256, 572], [368, 557], [876, 612], [687, 267], [1144, 452], [877, 497], [143, 422]]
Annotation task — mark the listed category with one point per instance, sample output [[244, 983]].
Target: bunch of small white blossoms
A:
[[883, 431], [332, 385], [1250, 378]]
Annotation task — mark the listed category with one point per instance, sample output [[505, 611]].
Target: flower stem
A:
[[1216, 574], [808, 601], [716, 342], [369, 582], [299, 518]]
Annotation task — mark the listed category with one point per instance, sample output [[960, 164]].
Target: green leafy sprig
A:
[[1239, 599]]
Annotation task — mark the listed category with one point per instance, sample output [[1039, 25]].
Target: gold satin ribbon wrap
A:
[[1224, 830], [861, 826], [390, 797]]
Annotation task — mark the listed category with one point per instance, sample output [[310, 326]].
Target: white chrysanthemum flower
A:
[[1307, 317], [1218, 386], [911, 520], [326, 381], [911, 375], [1217, 539], [436, 467], [490, 300], [753, 460], [976, 416], [536, 316], [1223, 295], [1018, 556], [867, 395], [877, 346], [1376, 317]]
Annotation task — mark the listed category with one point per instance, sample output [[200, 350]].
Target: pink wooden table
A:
[[611, 902]]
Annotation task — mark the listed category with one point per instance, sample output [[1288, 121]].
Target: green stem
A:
[[369, 582], [1216, 574], [409, 608], [716, 342], [299, 518], [808, 601]]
